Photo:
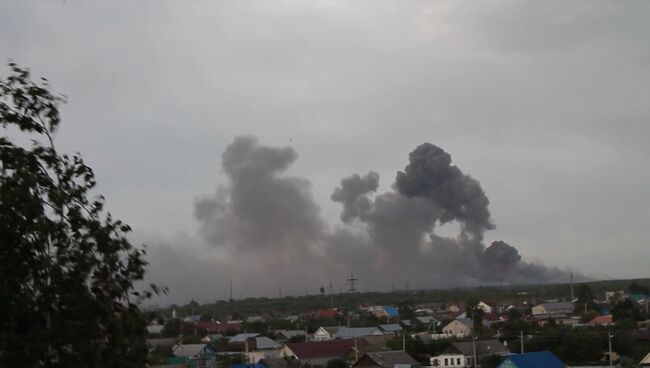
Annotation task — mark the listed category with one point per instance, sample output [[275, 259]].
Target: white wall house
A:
[[486, 308], [325, 333], [454, 360]]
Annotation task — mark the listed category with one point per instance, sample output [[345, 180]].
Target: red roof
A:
[[601, 320], [327, 313], [209, 326], [323, 349]]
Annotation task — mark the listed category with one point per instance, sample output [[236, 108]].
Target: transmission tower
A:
[[351, 281]]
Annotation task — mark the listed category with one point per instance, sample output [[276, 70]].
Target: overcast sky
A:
[[545, 103]]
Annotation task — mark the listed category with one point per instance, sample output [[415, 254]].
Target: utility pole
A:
[[474, 362], [356, 351], [572, 295], [331, 296], [521, 340], [609, 341], [403, 341]]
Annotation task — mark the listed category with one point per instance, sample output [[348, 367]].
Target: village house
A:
[[553, 309], [645, 362], [356, 332], [538, 359], [487, 308], [155, 329], [325, 333], [255, 319], [461, 354], [261, 347], [326, 314], [459, 328], [391, 329], [427, 320], [240, 341], [374, 344], [384, 312], [203, 355], [286, 335], [386, 359], [317, 353], [601, 321]]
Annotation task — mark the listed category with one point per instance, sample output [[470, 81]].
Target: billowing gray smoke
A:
[[269, 231], [430, 175]]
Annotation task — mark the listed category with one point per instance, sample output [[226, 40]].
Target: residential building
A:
[[427, 320], [601, 321], [459, 328], [386, 359], [286, 335], [384, 311], [319, 352], [461, 354], [356, 332], [241, 341], [203, 355], [645, 362], [255, 319], [552, 309], [391, 329], [326, 314], [261, 347], [487, 308], [325, 333], [539, 359], [155, 329]]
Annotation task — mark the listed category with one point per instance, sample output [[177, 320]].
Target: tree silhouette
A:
[[67, 270]]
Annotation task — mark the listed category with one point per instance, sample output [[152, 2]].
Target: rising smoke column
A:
[[430, 191], [262, 219], [429, 174]]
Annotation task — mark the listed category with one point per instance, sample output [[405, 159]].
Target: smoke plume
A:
[[267, 230]]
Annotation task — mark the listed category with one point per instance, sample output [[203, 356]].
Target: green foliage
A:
[[636, 288], [627, 310], [581, 345], [336, 363], [67, 270], [490, 361], [172, 328]]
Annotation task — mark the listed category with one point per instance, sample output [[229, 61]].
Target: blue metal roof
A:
[[256, 365], [539, 359], [391, 311]]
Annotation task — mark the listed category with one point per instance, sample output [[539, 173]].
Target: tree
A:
[[67, 270], [336, 363], [636, 288]]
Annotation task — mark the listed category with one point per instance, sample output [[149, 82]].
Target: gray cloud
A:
[[544, 102]]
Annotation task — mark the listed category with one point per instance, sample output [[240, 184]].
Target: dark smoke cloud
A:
[[501, 253], [430, 174], [352, 194], [268, 230], [260, 209]]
